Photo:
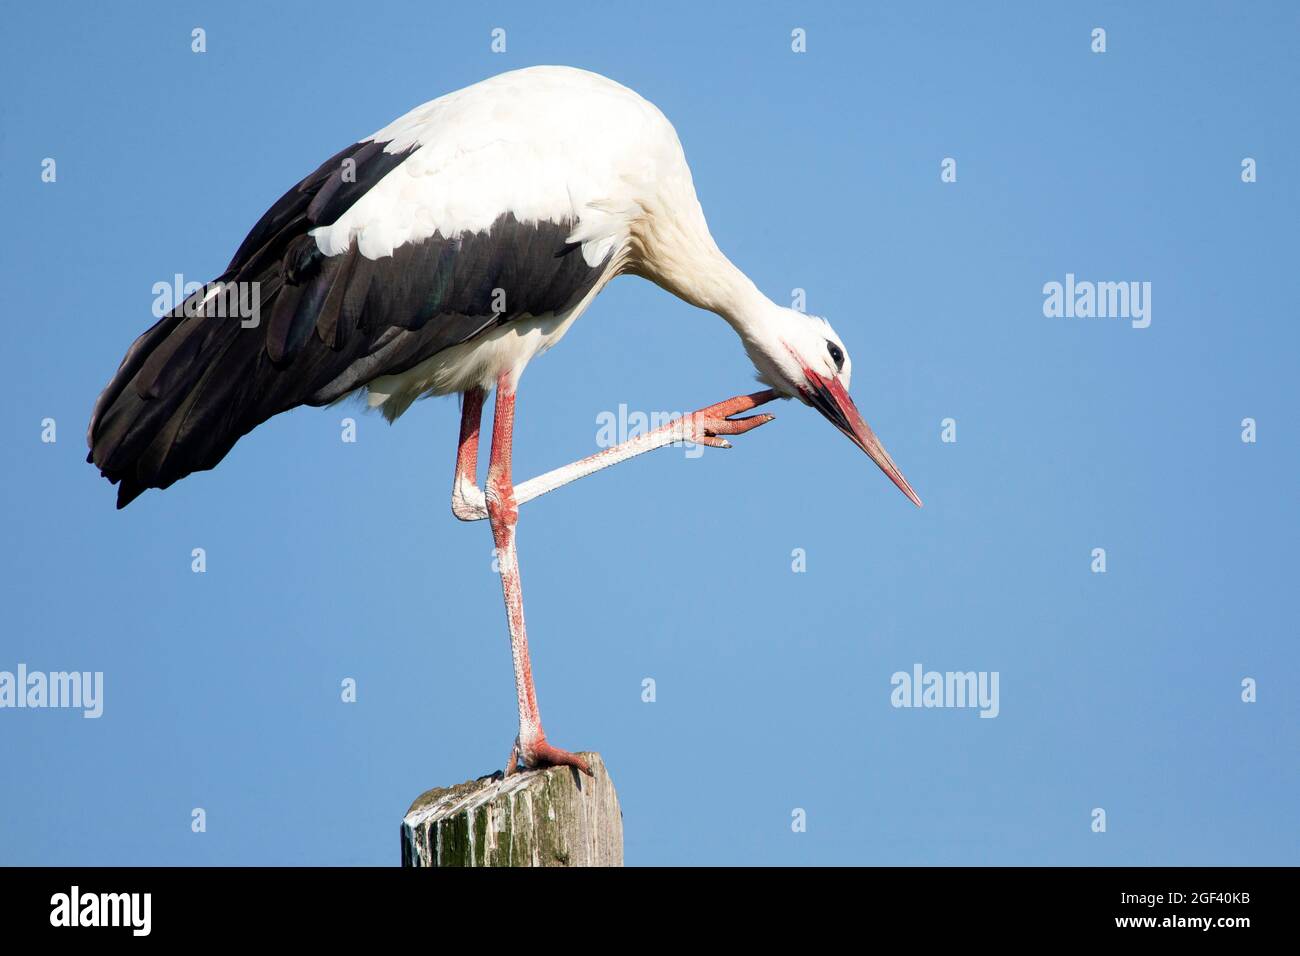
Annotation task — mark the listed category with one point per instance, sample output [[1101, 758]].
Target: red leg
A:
[[467, 451], [466, 502], [503, 513]]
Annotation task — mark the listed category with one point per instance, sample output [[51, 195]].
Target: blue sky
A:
[[819, 171]]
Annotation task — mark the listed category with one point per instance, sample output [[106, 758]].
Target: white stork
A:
[[441, 255]]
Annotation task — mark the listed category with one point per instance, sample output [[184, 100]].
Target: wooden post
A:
[[552, 817]]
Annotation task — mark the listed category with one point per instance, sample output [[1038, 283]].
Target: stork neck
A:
[[701, 275], [733, 295]]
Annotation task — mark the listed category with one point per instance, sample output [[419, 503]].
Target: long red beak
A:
[[828, 396]]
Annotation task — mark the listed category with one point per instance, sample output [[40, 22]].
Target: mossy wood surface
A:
[[553, 817]]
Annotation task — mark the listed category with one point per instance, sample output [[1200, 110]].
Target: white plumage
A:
[[546, 144]]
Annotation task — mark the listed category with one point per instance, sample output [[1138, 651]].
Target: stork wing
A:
[[387, 254]]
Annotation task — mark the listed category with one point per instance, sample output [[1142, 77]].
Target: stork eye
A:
[[837, 355]]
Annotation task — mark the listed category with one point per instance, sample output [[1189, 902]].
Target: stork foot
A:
[[539, 755], [708, 425]]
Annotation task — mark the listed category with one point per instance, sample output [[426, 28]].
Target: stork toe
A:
[[540, 754]]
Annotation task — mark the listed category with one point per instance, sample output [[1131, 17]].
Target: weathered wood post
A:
[[553, 817]]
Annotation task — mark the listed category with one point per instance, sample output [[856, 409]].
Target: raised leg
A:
[[531, 747], [705, 427]]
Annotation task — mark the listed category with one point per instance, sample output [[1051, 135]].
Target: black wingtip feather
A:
[[127, 492]]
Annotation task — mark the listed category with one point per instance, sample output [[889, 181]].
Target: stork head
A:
[[801, 357]]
